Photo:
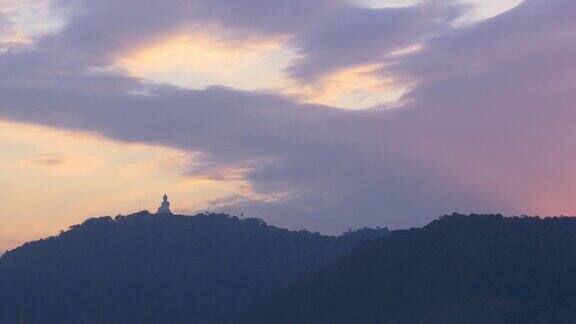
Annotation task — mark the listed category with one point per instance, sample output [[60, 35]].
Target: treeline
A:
[[144, 268], [458, 269]]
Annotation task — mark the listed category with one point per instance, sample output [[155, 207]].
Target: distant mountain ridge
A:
[[458, 269], [144, 268]]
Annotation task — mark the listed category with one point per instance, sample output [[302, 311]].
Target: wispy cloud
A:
[[48, 159]]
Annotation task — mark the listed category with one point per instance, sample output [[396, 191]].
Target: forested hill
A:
[[144, 268], [220, 269], [459, 269]]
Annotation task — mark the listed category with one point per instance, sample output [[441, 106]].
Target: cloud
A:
[[4, 21], [104, 28], [496, 106], [205, 59], [48, 159], [21, 21], [358, 87], [488, 126], [351, 36], [332, 38], [303, 151]]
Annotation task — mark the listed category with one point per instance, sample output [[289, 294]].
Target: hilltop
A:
[[145, 268]]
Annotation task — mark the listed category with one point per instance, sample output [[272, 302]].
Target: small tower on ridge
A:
[[164, 208]]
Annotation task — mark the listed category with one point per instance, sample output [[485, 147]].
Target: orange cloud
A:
[[201, 60], [353, 88]]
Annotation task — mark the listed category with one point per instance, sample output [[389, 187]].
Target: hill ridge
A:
[[142, 267]]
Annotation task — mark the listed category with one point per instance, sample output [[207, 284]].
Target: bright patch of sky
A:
[[353, 88], [73, 176], [201, 60], [22, 20], [376, 4], [484, 9]]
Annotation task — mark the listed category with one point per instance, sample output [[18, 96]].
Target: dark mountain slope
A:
[[158, 269], [459, 269]]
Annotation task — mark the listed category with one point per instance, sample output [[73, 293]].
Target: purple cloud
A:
[[99, 29], [352, 36]]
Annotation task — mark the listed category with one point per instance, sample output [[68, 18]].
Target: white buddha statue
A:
[[165, 206]]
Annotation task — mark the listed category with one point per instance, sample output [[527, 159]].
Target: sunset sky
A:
[[316, 114]]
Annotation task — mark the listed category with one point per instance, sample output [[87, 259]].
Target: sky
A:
[[326, 115]]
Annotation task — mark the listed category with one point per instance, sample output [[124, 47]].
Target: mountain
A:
[[458, 269], [215, 268], [144, 268]]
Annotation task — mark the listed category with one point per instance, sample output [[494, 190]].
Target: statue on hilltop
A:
[[164, 208]]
